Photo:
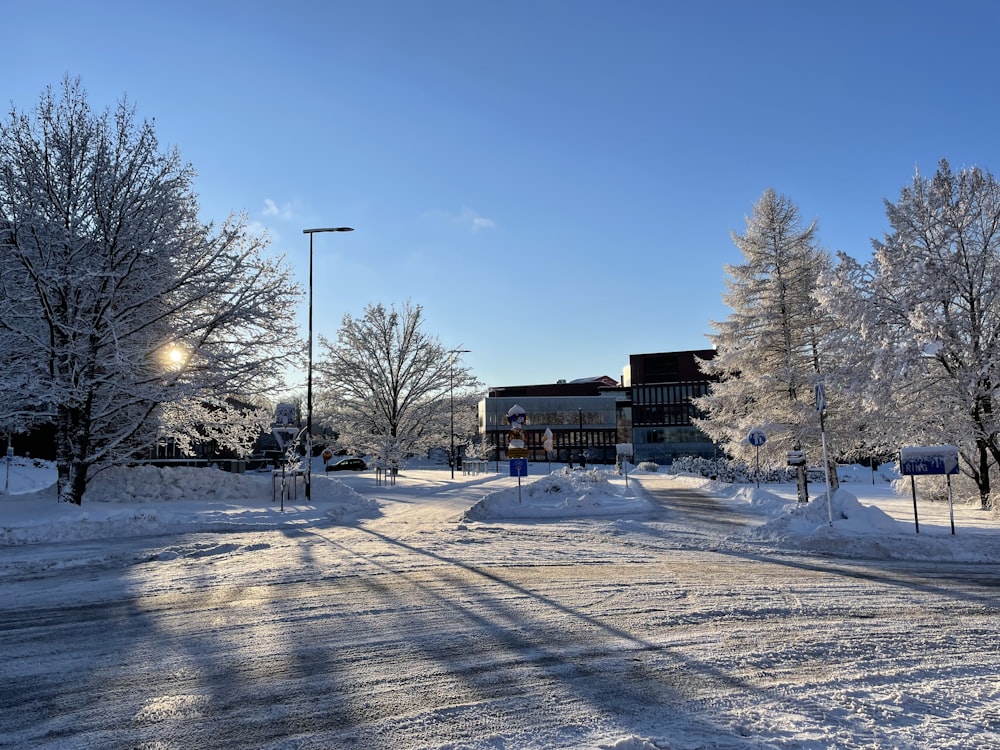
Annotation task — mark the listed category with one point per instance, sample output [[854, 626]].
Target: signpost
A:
[[821, 408], [797, 458], [624, 452], [517, 450], [933, 459], [757, 438]]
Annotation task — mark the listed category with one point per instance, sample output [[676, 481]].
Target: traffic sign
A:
[[519, 467], [820, 397], [934, 459], [757, 437]]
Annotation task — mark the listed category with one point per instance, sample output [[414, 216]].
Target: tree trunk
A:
[[802, 480], [983, 478], [834, 478], [71, 457]]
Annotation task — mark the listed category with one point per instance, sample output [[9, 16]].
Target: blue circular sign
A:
[[757, 437]]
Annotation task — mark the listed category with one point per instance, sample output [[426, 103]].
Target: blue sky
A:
[[554, 181]]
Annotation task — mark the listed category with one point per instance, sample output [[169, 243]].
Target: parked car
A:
[[347, 464]]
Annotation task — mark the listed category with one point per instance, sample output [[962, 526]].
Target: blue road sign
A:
[[519, 467], [757, 437], [935, 459]]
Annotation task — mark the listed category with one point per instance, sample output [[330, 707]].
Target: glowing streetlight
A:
[[309, 375]]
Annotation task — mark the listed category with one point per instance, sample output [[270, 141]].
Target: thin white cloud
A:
[[466, 218], [473, 220], [273, 209]]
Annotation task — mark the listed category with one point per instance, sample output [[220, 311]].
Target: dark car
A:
[[347, 464]]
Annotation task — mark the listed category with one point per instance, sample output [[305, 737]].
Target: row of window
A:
[[560, 438], [675, 435], [675, 393], [663, 414]]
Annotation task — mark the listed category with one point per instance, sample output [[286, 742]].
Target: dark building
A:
[[661, 387]]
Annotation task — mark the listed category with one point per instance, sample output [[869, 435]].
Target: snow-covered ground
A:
[[869, 519], [601, 589]]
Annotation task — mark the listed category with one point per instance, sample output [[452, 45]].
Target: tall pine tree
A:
[[769, 351]]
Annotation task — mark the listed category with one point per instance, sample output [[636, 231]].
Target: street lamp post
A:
[[309, 371], [451, 379]]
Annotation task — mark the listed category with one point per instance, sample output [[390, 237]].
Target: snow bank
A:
[[866, 531], [562, 494], [869, 519], [147, 500]]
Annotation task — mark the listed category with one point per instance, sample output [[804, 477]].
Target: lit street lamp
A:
[[309, 375], [451, 376]]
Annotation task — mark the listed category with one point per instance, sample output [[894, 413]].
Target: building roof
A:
[[602, 379]]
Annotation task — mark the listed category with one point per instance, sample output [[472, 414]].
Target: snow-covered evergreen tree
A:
[[114, 297], [927, 307], [385, 385], [769, 351]]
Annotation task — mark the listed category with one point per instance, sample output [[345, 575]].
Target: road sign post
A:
[[757, 438], [623, 453], [933, 459], [519, 468], [821, 408]]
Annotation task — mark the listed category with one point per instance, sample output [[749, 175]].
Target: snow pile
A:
[[19, 474], [847, 513], [766, 503], [562, 494], [144, 484], [866, 531], [147, 500]]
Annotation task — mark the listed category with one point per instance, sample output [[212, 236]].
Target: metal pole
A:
[[309, 386], [451, 379], [496, 429], [309, 371], [951, 505], [826, 469]]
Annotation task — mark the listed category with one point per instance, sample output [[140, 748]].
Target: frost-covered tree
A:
[[927, 307], [859, 370], [385, 385], [114, 297], [769, 351], [227, 424]]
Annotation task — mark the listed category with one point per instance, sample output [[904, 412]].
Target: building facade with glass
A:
[[662, 386], [651, 409], [585, 418]]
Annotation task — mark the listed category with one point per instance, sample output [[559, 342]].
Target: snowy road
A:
[[414, 629]]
